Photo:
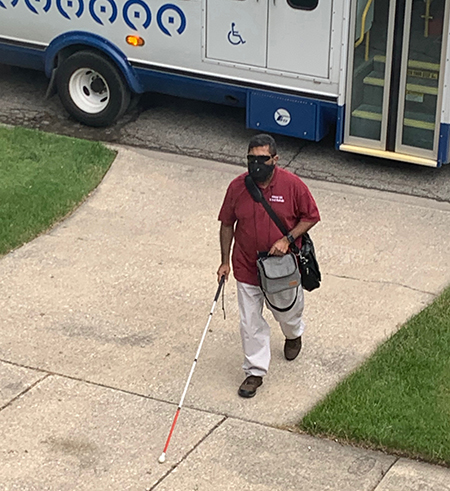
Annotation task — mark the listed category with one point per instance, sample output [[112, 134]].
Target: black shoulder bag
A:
[[309, 267]]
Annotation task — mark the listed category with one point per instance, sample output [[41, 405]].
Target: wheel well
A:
[[74, 48], [111, 53]]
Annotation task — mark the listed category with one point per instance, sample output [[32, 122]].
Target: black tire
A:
[[92, 89]]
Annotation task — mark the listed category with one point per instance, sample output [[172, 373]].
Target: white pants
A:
[[255, 331]]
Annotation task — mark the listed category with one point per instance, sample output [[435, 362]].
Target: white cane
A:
[[162, 457]]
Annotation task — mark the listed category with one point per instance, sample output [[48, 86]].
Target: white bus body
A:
[[373, 71]]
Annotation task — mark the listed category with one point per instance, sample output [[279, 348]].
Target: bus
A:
[[373, 72]]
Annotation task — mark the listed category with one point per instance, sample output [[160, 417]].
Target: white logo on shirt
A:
[[277, 199]]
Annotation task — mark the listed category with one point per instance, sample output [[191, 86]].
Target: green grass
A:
[[43, 178], [399, 400]]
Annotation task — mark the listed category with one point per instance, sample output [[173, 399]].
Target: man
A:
[[253, 231]]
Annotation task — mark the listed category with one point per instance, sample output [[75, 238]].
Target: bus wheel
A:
[[92, 89]]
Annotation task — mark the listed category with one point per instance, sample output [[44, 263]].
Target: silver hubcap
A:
[[89, 90]]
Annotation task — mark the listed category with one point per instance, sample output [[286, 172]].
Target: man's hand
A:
[[280, 247], [224, 270]]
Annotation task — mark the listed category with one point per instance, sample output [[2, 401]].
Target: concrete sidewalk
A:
[[100, 320]]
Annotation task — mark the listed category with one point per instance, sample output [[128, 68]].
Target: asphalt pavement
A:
[[100, 319], [212, 132]]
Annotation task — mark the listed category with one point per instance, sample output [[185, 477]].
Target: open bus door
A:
[[395, 79]]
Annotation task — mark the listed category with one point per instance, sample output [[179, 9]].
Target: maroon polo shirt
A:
[[255, 231]]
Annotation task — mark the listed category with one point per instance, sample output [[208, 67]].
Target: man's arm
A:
[[226, 239], [281, 246], [301, 228]]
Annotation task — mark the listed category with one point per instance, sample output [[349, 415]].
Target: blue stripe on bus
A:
[[192, 87], [340, 126], [444, 143], [310, 118], [23, 56]]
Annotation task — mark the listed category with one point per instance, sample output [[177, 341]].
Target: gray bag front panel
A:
[[278, 273]]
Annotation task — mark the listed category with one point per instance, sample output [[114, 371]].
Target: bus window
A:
[[303, 4]]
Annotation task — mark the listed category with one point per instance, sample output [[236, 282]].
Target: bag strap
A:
[[257, 195]]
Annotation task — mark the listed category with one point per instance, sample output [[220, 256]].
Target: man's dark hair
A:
[[262, 140]]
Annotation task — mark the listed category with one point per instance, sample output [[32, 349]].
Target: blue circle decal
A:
[[136, 14], [70, 4], [180, 13], [97, 19], [33, 8], [126, 17]]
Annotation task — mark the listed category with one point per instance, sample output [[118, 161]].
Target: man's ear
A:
[[275, 159]]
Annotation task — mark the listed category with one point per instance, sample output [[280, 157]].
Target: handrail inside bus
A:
[[363, 23]]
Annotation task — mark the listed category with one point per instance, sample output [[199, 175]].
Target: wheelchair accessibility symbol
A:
[[234, 37]]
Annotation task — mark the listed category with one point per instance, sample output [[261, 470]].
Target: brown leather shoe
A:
[[292, 348], [249, 386]]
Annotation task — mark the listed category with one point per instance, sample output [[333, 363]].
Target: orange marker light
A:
[[135, 41]]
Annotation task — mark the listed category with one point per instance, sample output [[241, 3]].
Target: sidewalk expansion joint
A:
[[384, 475], [18, 396], [382, 282], [49, 373], [21, 365], [175, 466], [90, 382], [224, 417]]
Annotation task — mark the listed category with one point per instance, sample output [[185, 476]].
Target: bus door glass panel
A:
[[299, 36], [419, 86], [370, 74], [236, 31]]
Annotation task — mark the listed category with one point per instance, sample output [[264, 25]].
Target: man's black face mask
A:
[[258, 170]]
